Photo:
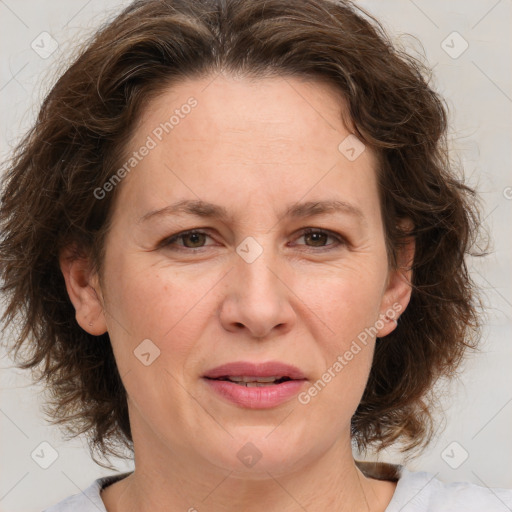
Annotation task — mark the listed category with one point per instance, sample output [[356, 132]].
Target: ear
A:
[[84, 291], [398, 288]]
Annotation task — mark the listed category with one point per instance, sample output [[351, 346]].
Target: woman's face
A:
[[251, 286]]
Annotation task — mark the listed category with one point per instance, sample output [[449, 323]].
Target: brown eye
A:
[[189, 240], [319, 238], [196, 239]]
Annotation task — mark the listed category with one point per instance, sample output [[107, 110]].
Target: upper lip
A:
[[248, 369]]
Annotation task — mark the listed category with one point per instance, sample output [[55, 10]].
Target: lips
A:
[[255, 385], [244, 373], [249, 381]]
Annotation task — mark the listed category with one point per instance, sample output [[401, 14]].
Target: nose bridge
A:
[[257, 298], [257, 269]]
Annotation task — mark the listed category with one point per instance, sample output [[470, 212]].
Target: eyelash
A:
[[306, 231]]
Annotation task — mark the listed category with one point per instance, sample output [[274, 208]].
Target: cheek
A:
[[348, 300], [166, 305], [144, 295], [347, 355], [349, 305], [168, 308]]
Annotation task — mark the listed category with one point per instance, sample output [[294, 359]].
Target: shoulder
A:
[[88, 500], [423, 492]]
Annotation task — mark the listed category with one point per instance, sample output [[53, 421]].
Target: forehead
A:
[[253, 138], [241, 108]]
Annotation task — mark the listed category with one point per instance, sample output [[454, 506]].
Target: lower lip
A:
[[263, 397]]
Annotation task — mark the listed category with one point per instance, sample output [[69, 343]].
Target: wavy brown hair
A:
[[81, 132]]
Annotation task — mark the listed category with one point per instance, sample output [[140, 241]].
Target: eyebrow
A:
[[205, 209]]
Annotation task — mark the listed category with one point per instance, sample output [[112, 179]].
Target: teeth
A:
[[254, 379]]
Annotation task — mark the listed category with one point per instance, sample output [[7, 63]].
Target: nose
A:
[[258, 298]]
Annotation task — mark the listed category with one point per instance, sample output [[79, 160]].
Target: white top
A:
[[415, 492]]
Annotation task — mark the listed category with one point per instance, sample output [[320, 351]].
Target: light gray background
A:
[[477, 85]]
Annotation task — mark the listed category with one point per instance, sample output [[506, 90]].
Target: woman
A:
[[221, 197]]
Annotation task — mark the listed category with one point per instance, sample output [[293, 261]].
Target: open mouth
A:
[[253, 382], [252, 386]]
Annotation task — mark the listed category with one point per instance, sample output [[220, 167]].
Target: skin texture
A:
[[254, 147]]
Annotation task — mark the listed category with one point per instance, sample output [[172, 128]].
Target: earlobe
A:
[[84, 291], [399, 284]]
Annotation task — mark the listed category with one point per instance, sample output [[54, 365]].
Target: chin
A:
[[255, 451]]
